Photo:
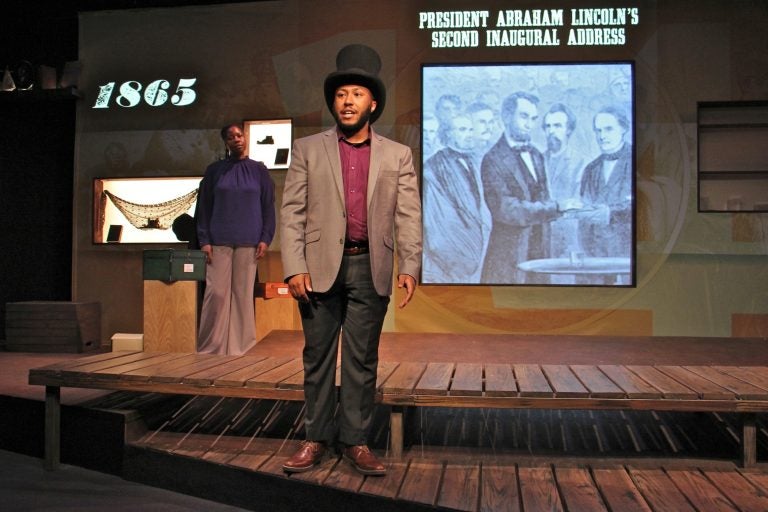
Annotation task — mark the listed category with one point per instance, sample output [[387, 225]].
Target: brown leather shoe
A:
[[364, 461], [306, 457]]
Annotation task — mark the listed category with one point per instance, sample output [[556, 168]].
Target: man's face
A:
[[446, 109], [482, 122], [116, 156], [621, 87], [556, 130], [609, 133], [460, 134], [523, 120], [430, 133], [560, 79], [352, 107]]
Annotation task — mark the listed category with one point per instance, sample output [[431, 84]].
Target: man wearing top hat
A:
[[350, 201]]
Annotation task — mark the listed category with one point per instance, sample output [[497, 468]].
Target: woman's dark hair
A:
[[227, 127]]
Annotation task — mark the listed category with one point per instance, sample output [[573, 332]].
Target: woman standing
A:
[[235, 225]]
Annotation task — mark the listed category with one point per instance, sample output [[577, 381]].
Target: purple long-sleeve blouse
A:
[[236, 204]]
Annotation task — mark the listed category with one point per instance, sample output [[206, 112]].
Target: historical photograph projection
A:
[[528, 174]]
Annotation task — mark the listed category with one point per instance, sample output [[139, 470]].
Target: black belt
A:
[[354, 248]]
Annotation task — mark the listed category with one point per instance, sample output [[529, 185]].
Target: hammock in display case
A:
[[153, 216]]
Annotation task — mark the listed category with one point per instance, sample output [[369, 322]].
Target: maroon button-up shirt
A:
[[355, 163]]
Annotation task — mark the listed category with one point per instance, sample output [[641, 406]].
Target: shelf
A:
[[732, 163], [704, 126], [68, 93], [732, 113], [733, 175], [702, 210]]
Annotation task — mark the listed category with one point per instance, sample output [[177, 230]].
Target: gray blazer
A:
[[313, 216]]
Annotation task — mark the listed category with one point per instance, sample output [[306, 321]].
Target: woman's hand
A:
[[261, 250], [208, 250]]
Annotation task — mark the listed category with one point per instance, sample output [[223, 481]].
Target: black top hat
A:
[[359, 65]]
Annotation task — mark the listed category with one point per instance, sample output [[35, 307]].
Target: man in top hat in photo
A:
[[350, 201]]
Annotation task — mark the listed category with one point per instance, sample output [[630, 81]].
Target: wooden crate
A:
[[271, 291], [276, 314], [52, 326]]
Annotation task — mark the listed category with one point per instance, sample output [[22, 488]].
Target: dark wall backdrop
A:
[[37, 138], [36, 160], [36, 154]]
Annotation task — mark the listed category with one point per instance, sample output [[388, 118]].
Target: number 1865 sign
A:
[[155, 94]]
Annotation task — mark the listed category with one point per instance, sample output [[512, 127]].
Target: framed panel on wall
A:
[[144, 210], [528, 174], [733, 161], [269, 141]]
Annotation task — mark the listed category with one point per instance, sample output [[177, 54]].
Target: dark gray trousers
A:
[[353, 308]]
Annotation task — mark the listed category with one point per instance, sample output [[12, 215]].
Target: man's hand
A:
[[409, 283], [600, 216], [299, 285], [573, 203]]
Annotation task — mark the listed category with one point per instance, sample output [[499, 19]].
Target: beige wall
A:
[[697, 274]]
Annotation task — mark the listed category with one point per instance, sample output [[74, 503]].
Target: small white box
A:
[[126, 341]]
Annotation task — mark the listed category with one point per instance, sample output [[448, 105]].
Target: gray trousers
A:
[[353, 308], [227, 319]]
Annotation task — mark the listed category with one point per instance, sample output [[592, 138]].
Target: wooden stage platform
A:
[[545, 349], [488, 459]]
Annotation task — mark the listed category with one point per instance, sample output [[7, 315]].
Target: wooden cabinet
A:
[[277, 314], [275, 308], [170, 316], [733, 156], [171, 310]]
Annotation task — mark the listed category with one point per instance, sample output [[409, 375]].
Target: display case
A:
[[269, 141], [144, 210]]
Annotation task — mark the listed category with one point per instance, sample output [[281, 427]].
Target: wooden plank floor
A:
[[460, 480], [483, 460], [487, 459]]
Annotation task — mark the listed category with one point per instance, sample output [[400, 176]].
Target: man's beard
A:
[[349, 130], [519, 135], [554, 144]]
